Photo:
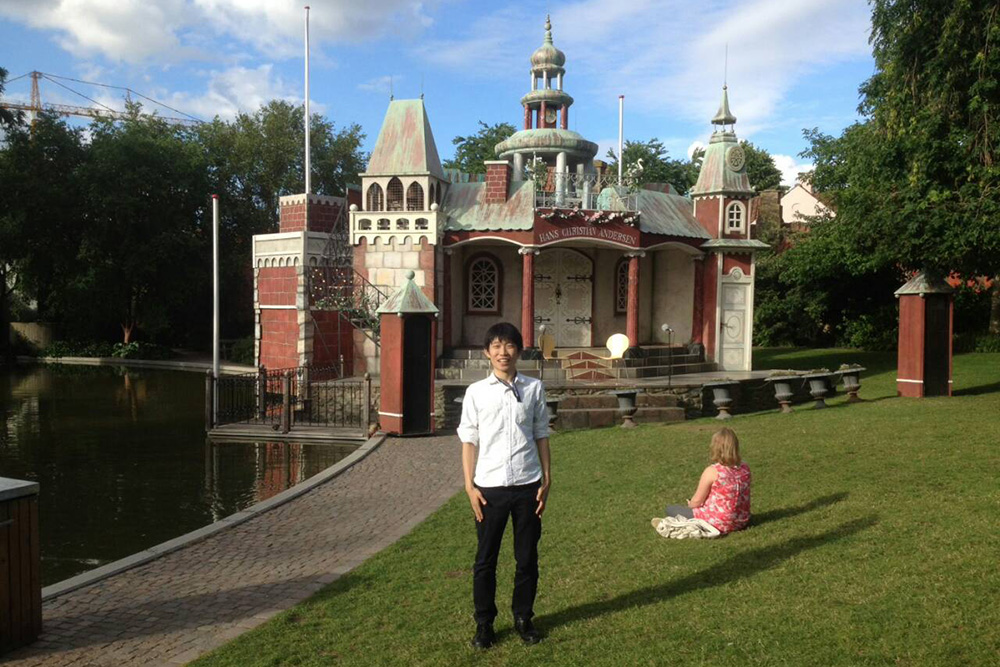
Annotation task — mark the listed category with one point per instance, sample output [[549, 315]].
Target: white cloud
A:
[[237, 89], [381, 84], [695, 145], [668, 58], [790, 168], [137, 31]]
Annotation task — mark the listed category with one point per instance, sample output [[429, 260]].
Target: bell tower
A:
[[546, 105]]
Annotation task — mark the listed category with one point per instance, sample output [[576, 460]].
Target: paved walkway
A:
[[176, 608]]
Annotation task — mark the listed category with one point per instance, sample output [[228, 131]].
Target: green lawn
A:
[[875, 541]]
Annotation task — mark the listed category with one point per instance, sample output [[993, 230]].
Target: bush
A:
[[139, 350], [876, 332], [242, 351], [133, 350]]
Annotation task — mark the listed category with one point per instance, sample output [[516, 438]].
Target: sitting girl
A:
[[723, 495]]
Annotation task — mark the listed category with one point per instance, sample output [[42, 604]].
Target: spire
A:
[[724, 116], [548, 30]]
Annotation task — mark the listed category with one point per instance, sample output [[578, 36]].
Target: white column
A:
[[559, 79], [560, 177], [518, 166], [534, 82]]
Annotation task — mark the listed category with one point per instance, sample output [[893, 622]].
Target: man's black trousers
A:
[[519, 503]]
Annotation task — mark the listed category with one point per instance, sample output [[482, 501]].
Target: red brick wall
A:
[[707, 214], [276, 286], [710, 298], [333, 336], [497, 181], [733, 261], [279, 338], [322, 215], [292, 218]]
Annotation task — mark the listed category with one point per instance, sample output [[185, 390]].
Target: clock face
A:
[[550, 115], [736, 158]]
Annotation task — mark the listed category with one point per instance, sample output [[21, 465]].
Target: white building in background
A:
[[801, 203]]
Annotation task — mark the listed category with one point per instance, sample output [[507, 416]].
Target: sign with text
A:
[[547, 232]]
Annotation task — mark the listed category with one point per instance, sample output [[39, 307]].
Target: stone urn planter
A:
[[819, 386], [722, 397], [627, 406], [851, 375], [552, 406], [784, 389]]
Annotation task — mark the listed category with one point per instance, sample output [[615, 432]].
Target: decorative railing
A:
[[345, 290], [283, 398], [591, 192]]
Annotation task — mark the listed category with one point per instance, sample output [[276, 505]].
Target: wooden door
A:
[[564, 281], [417, 375]]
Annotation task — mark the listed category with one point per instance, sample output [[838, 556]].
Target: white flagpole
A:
[[215, 302], [621, 135], [308, 167]]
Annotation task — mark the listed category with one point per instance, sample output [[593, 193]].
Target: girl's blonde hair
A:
[[725, 448]]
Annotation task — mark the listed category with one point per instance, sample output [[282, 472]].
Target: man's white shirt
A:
[[505, 429]]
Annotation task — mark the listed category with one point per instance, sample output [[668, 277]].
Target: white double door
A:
[[564, 286]]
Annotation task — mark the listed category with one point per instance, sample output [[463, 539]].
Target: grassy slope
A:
[[874, 542]]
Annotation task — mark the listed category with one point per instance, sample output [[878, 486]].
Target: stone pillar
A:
[[559, 81], [564, 120], [528, 296], [632, 317], [534, 82], [527, 117], [446, 297], [541, 116]]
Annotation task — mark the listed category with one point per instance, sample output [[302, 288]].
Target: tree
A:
[[657, 167], [9, 120], [472, 151], [761, 170], [917, 183]]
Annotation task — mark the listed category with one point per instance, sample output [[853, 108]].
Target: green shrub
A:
[[64, 348], [877, 331], [987, 343], [242, 351], [140, 350]]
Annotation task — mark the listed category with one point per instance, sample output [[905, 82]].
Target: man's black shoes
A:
[[485, 637], [527, 630]]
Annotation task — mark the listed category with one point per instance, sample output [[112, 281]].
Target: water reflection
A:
[[122, 461]]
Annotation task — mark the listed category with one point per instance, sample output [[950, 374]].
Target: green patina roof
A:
[[744, 245], [405, 143], [716, 176], [724, 116], [408, 299], [922, 284], [547, 56], [668, 214], [547, 140], [465, 212]]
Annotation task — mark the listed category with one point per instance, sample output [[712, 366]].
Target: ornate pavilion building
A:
[[545, 239]]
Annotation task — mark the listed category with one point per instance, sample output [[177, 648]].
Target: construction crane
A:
[[101, 111]]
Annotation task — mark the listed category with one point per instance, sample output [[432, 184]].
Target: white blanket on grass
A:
[[682, 528]]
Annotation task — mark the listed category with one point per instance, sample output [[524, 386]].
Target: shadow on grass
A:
[[977, 391], [739, 566], [785, 512]]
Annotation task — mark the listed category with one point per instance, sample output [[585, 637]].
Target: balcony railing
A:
[[590, 192]]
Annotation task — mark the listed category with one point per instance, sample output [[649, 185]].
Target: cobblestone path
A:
[[176, 608]]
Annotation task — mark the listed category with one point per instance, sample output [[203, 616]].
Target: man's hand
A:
[[477, 501], [542, 497]]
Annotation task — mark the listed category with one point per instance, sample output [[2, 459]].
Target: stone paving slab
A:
[[180, 606]]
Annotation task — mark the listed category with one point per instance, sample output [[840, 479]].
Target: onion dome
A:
[[547, 56]]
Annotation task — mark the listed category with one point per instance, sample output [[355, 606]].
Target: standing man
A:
[[505, 458]]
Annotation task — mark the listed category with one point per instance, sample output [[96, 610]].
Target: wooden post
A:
[[632, 316], [286, 402], [209, 401], [366, 406], [20, 565], [262, 393]]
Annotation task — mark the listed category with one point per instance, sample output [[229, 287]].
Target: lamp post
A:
[[665, 328]]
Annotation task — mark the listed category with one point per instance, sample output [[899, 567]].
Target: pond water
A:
[[123, 464]]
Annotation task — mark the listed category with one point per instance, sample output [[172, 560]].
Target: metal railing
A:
[[591, 192], [286, 397], [345, 290]]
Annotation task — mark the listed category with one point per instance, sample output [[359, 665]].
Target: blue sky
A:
[[792, 64]]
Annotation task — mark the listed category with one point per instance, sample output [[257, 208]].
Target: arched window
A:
[[431, 198], [394, 195], [484, 280], [375, 200], [364, 224], [414, 197], [621, 286], [402, 224], [734, 217], [383, 225], [421, 223]]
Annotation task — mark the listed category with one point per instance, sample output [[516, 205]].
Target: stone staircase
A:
[[577, 365]]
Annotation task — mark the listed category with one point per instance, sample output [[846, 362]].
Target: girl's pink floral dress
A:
[[728, 505]]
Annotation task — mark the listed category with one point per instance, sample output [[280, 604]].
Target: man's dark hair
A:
[[505, 332]]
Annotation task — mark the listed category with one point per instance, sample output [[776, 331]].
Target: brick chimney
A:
[[497, 181]]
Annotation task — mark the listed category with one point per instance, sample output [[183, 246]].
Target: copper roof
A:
[[408, 299], [464, 210], [668, 214], [405, 143], [922, 284]]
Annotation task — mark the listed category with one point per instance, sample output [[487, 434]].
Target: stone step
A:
[[572, 419]]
